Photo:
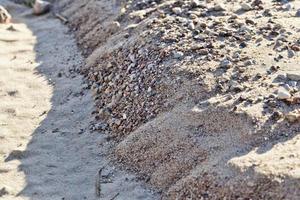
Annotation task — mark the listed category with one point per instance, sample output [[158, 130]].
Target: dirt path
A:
[[46, 148]]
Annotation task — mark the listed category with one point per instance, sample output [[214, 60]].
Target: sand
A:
[[47, 150], [223, 133]]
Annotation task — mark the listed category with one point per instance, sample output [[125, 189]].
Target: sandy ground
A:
[[46, 148], [224, 133]]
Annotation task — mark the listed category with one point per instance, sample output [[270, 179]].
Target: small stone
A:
[[249, 62], [178, 54], [276, 115], [267, 13], [298, 13], [292, 83], [177, 10], [193, 16], [283, 94], [225, 63], [281, 77], [149, 89], [191, 25], [287, 7], [295, 47], [3, 192], [235, 86], [291, 53], [41, 7], [114, 26], [243, 44], [218, 7], [236, 55], [293, 76], [249, 21], [4, 16], [203, 52], [246, 7], [195, 3], [292, 117]]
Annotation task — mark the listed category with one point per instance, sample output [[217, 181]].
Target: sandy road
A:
[[46, 148]]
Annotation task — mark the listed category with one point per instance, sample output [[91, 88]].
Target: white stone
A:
[[178, 54], [177, 10], [283, 94], [191, 26], [4, 15]]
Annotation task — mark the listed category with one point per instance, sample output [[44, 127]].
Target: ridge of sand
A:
[[190, 89]]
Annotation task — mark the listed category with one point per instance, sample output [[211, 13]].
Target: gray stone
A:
[[41, 7], [298, 13], [195, 3], [293, 76], [293, 83], [225, 63], [178, 54], [246, 7], [177, 10], [218, 7], [291, 53]]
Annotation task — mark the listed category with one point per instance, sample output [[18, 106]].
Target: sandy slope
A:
[[46, 148], [224, 134]]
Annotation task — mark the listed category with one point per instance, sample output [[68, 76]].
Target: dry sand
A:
[[46, 148], [225, 133], [221, 136]]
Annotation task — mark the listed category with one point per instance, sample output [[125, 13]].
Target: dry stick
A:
[[99, 180], [114, 197], [62, 18]]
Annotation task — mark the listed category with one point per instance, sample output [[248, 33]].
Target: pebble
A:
[[292, 117], [41, 7], [293, 83], [293, 76], [218, 7], [177, 10], [178, 54], [246, 7], [203, 52], [298, 13], [5, 17], [282, 77], [191, 25], [195, 3], [291, 53], [249, 62], [225, 63], [287, 7], [283, 94], [114, 26]]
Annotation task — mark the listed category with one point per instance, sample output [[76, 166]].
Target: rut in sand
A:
[[46, 148]]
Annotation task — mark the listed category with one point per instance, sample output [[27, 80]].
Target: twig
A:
[[62, 18], [114, 197]]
